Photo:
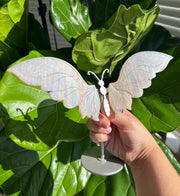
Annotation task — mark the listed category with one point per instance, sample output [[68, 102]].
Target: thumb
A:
[[123, 120]]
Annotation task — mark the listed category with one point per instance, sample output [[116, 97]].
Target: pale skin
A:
[[127, 138]]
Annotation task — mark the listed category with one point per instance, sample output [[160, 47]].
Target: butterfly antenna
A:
[[106, 70], [90, 72]]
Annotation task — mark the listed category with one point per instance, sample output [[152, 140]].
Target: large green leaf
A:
[[56, 172], [158, 39], [98, 49], [13, 34], [118, 184], [71, 18], [32, 119], [96, 186], [159, 108], [104, 9]]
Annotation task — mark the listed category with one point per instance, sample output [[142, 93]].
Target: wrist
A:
[[145, 155], [151, 171]]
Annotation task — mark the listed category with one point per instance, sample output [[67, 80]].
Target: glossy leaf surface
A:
[[71, 18], [97, 49], [115, 185], [13, 24], [104, 9], [55, 172], [32, 119], [14, 35]]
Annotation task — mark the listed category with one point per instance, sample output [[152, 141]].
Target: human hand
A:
[[125, 136]]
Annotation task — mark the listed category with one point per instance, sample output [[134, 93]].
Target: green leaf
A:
[[104, 9], [159, 108], [56, 172], [118, 184], [13, 25], [71, 18], [158, 39], [169, 155], [32, 119], [95, 186], [144, 3], [36, 34], [147, 4], [62, 53], [95, 50]]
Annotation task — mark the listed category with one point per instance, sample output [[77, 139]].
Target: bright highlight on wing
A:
[[135, 75], [63, 82]]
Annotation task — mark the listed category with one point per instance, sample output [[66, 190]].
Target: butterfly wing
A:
[[135, 75], [62, 81]]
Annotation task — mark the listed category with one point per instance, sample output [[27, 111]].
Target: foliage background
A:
[[41, 141]]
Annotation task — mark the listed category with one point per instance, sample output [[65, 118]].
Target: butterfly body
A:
[[104, 101], [106, 106], [102, 92], [65, 83]]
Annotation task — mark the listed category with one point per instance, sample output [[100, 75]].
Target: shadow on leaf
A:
[[41, 128], [22, 170], [42, 172]]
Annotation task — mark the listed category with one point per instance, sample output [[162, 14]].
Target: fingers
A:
[[99, 129], [99, 137]]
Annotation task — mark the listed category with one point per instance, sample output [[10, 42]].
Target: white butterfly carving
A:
[[63, 82]]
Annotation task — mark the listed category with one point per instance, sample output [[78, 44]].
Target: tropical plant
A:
[[41, 141]]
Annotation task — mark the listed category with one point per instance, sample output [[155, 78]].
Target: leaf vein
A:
[[68, 18], [153, 115]]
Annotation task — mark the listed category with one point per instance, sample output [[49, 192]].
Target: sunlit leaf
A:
[[32, 119], [13, 25], [71, 18], [98, 49], [14, 35]]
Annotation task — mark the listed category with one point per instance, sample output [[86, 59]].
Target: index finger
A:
[[101, 126]]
